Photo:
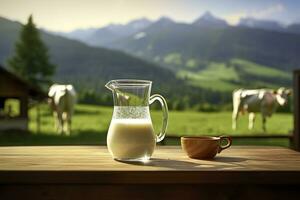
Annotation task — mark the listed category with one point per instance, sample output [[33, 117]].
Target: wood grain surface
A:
[[94, 165]]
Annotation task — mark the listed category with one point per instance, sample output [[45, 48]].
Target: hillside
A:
[[89, 68], [227, 76], [208, 38], [191, 50], [190, 42], [199, 52], [83, 65], [204, 64]]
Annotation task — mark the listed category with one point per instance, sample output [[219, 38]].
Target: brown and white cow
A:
[[253, 101], [62, 99]]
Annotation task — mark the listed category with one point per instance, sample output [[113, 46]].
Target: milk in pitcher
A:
[[131, 138]]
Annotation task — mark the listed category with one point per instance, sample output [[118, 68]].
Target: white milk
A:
[[131, 138]]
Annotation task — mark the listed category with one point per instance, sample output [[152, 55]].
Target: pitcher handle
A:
[[164, 107]]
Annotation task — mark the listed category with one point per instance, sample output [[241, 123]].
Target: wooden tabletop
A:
[[93, 164]]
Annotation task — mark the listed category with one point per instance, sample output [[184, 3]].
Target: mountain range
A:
[[107, 34], [212, 54], [89, 68], [206, 59], [104, 35], [83, 65], [175, 45]]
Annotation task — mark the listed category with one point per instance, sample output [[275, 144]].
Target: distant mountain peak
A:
[[140, 23], [209, 20], [208, 16], [164, 20], [140, 20]]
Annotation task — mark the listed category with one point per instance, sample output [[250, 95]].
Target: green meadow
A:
[[90, 124], [227, 76]]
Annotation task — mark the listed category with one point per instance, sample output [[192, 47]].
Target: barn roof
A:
[[34, 91]]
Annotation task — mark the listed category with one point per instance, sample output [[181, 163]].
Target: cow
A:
[[261, 100], [62, 99]]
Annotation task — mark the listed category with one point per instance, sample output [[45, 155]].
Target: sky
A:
[[67, 15]]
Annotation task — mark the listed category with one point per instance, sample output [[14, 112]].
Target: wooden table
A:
[[88, 172]]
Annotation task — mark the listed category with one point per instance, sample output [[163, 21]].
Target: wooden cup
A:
[[204, 147]]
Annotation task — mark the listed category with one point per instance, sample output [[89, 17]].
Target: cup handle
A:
[[228, 144], [164, 107]]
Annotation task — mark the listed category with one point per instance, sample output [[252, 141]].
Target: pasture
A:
[[90, 124], [228, 76]]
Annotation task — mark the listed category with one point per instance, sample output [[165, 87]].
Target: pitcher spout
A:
[[110, 85]]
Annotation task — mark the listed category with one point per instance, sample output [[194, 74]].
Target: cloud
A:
[[267, 12]]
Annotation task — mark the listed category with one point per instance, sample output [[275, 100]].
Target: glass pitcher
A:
[[130, 135]]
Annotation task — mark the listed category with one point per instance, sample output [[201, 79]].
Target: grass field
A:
[[90, 124], [221, 76]]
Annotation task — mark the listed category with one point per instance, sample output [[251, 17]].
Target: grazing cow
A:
[[62, 99], [253, 101]]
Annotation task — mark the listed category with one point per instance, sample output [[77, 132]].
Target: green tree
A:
[[31, 59]]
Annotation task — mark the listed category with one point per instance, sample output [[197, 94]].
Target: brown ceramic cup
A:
[[204, 147]]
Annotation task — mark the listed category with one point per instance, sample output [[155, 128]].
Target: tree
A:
[[31, 59]]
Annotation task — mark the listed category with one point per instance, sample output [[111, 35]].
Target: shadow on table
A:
[[227, 159], [166, 163], [228, 162]]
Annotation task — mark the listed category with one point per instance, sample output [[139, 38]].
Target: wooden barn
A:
[[16, 96]]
